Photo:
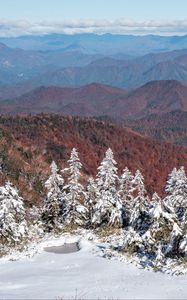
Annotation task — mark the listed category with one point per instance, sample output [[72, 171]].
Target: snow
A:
[[83, 274]]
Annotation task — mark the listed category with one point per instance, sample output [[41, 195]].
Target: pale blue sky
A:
[[139, 10], [23, 17]]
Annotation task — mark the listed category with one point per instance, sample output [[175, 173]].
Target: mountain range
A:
[[102, 44], [99, 100], [24, 70], [121, 73]]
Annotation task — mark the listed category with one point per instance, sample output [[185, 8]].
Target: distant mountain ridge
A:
[[154, 97], [127, 73], [72, 66], [98, 100], [94, 43]]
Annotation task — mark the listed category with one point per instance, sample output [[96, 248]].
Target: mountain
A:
[[92, 43], [18, 65], [154, 97], [28, 145], [24, 70], [167, 70], [124, 73], [91, 100], [95, 99], [170, 127]]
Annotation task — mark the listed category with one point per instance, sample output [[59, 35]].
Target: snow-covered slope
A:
[[83, 275]]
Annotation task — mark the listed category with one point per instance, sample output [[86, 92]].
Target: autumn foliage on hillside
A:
[[170, 127], [29, 144]]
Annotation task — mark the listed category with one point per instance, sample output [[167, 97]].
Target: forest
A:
[[154, 228]]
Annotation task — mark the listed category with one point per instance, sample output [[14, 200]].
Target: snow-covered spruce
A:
[[175, 238], [161, 220], [54, 203], [76, 212], [159, 257], [140, 204], [92, 193], [36, 224], [153, 228], [108, 209], [132, 241], [176, 188], [154, 231], [13, 226], [126, 190]]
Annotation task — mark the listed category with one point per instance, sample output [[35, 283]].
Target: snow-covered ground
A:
[[83, 275]]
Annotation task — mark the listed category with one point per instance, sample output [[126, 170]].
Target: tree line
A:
[[153, 227]]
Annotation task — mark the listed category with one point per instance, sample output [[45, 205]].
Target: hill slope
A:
[[154, 97], [95, 98], [29, 144], [171, 127], [125, 73], [98, 100]]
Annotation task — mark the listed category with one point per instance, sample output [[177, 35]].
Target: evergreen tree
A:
[[159, 209], [13, 226], [183, 245], [76, 212], [171, 181], [132, 241], [54, 202], [159, 257], [140, 204], [176, 188], [126, 193], [175, 239], [161, 220], [34, 217], [108, 209], [91, 196]]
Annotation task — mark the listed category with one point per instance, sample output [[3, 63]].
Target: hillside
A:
[[171, 127], [154, 97], [73, 66], [18, 65], [125, 73], [29, 144], [101, 100], [91, 100]]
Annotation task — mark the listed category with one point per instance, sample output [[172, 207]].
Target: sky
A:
[[166, 17]]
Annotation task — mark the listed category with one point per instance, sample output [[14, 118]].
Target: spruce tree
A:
[[161, 220], [175, 239], [91, 196], [140, 204], [126, 193], [183, 245], [108, 210], [76, 212], [159, 260], [13, 225], [54, 202], [176, 188], [132, 241]]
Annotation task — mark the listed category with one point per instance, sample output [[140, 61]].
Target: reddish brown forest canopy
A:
[[29, 144]]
